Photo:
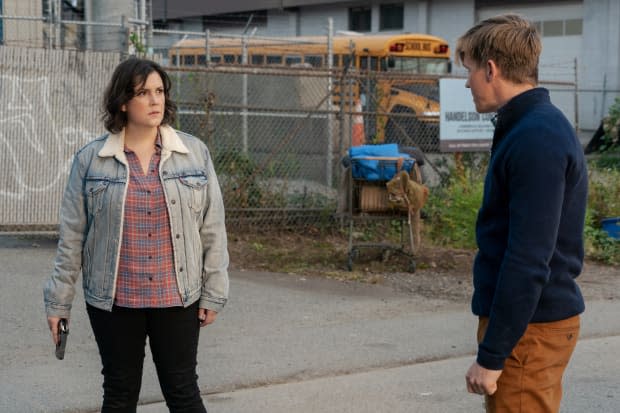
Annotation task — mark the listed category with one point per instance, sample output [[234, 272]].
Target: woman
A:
[[142, 218]]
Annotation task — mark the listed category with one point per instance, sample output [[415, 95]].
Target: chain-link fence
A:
[[278, 135], [50, 107], [275, 145]]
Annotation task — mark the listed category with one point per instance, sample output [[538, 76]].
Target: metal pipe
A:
[[244, 95], [185, 32], [330, 118], [88, 16], [50, 27], [59, 23], [89, 23], [576, 99], [207, 48], [33, 18]]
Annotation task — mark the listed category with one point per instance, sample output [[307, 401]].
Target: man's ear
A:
[[491, 70]]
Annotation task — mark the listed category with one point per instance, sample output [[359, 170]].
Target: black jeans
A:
[[173, 338]]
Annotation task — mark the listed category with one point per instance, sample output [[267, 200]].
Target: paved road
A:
[[287, 343]]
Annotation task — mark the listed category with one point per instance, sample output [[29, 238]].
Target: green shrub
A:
[[608, 153], [603, 202], [611, 127], [452, 207]]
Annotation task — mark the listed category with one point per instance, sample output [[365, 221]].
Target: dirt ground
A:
[[441, 273]]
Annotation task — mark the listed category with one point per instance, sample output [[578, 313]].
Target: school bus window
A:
[[292, 60], [426, 66], [346, 60], [189, 60], [315, 61], [230, 58], [216, 59], [174, 60], [257, 59], [274, 60], [202, 59], [430, 66], [364, 63], [385, 62]]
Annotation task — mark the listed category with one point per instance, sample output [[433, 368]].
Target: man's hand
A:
[[206, 317], [480, 380]]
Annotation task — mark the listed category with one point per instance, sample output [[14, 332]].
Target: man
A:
[[530, 225]]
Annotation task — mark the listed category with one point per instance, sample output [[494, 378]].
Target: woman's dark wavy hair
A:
[[126, 77]]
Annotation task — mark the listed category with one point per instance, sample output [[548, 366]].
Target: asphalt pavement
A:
[[287, 343]]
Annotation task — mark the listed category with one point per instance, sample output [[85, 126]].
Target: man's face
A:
[[479, 83]]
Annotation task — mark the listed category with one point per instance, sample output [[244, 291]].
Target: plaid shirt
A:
[[146, 275]]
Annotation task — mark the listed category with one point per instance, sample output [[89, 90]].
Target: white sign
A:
[[461, 128]]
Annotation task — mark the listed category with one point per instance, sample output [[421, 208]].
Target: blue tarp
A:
[[365, 165]]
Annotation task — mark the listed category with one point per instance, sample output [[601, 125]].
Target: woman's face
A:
[[146, 108]]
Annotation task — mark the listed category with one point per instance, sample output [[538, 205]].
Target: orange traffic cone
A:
[[357, 128]]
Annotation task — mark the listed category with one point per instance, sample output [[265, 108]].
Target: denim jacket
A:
[[91, 223]]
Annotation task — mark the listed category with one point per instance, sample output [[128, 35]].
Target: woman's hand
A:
[[206, 317], [53, 325]]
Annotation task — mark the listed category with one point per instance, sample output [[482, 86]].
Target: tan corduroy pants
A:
[[531, 381]]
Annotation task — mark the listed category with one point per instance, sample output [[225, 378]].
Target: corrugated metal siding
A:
[[314, 20], [50, 108], [280, 23], [163, 9]]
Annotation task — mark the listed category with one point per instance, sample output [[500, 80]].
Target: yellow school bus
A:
[[404, 83]]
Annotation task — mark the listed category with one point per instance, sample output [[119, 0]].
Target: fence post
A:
[[58, 34], [142, 28], [207, 48], [244, 94], [149, 39], [124, 37], [576, 98], [330, 86], [604, 95], [88, 28], [50, 25]]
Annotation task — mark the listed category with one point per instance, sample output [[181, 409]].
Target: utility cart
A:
[[370, 168]]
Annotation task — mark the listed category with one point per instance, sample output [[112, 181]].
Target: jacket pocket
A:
[[194, 191], [94, 191]]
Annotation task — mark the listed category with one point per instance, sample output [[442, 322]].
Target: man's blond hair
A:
[[511, 41]]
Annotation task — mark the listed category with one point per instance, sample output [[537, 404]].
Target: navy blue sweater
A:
[[530, 226]]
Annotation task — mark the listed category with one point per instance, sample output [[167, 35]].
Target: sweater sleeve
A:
[[534, 172]]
